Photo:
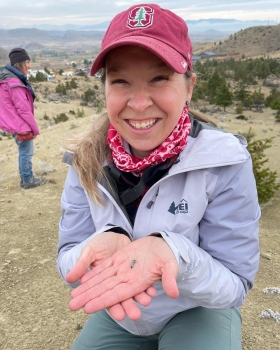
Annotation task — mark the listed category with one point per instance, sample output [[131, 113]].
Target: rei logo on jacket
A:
[[181, 208]]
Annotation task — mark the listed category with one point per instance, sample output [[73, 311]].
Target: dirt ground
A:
[[34, 310]]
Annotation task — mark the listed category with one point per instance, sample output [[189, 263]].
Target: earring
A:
[[187, 103]]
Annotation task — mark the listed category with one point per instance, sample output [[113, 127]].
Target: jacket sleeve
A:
[[76, 227], [221, 270], [23, 107]]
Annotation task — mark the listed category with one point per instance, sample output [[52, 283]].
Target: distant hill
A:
[[207, 35], [251, 42], [4, 55], [228, 25], [32, 38], [33, 46], [82, 35], [200, 25], [25, 36]]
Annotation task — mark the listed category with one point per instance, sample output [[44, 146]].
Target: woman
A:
[[17, 113], [161, 207]]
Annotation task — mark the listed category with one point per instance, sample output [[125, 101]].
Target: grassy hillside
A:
[[250, 42]]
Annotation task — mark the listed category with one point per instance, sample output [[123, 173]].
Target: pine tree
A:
[[258, 97], [172, 208], [140, 16], [241, 93], [40, 77], [265, 178], [214, 83], [224, 97], [73, 84]]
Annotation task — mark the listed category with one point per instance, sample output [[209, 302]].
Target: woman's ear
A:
[[193, 78], [191, 83]]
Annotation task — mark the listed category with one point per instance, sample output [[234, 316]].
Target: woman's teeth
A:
[[143, 125]]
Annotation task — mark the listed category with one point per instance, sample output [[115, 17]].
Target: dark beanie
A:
[[18, 55]]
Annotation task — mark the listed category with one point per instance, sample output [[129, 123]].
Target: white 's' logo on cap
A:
[[140, 17]]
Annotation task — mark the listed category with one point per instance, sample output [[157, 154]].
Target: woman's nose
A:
[[139, 100]]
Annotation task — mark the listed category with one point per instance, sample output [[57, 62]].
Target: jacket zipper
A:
[[151, 203]]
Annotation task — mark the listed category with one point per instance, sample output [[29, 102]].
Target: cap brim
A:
[[170, 56]]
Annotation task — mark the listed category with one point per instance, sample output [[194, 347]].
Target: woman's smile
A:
[[142, 125]]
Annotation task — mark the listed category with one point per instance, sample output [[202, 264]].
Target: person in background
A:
[[17, 113], [159, 228]]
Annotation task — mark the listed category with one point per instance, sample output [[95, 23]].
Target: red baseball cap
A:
[[153, 28]]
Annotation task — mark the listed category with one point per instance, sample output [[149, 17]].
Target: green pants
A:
[[194, 329]]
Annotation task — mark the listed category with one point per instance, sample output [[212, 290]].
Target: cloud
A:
[[14, 13]]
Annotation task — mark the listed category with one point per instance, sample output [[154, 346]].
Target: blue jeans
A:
[[194, 329], [25, 154]]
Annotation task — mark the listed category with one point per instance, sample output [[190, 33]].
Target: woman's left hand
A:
[[129, 308], [117, 280]]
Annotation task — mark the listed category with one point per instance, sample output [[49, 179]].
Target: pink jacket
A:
[[16, 107]]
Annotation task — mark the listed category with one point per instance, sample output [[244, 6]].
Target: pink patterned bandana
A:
[[170, 147]]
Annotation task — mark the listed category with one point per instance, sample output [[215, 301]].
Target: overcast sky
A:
[[17, 13]]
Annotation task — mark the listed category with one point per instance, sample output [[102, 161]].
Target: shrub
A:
[[239, 108], [277, 117], [275, 104], [265, 178], [61, 89], [73, 84], [60, 118], [46, 117], [32, 79], [89, 95], [81, 73], [242, 117], [80, 113]]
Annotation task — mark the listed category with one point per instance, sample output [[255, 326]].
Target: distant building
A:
[[208, 54], [49, 77], [68, 73], [204, 55], [196, 58], [34, 72]]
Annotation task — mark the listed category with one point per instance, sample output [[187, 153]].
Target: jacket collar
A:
[[21, 77], [211, 147]]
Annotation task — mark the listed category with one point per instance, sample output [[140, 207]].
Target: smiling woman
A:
[[159, 226], [145, 98]]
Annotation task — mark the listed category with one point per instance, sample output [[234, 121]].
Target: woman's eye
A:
[[118, 81], [159, 78]]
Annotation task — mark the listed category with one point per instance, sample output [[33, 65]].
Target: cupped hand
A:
[[114, 281], [98, 249]]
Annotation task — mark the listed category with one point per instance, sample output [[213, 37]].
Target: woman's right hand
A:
[[98, 249]]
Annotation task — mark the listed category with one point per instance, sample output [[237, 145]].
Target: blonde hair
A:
[[90, 151]]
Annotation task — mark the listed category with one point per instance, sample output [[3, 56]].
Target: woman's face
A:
[[25, 67], [145, 98]]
